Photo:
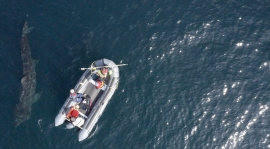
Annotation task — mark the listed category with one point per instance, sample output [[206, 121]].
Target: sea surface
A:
[[197, 77]]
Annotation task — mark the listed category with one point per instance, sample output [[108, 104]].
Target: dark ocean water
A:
[[198, 73]]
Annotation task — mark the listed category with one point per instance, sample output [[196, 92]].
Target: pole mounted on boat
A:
[[104, 66]]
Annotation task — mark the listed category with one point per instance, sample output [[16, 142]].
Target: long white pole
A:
[[105, 66]]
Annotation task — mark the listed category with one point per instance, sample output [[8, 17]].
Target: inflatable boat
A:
[[88, 99]]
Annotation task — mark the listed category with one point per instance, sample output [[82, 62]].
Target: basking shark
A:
[[28, 95]]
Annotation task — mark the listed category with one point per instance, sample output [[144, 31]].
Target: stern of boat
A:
[[83, 134], [59, 119]]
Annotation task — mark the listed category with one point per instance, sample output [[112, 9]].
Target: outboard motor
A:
[[69, 126]]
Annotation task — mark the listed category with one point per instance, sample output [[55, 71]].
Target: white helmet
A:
[[72, 91]]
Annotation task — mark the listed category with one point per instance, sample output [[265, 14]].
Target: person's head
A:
[[72, 91], [76, 107], [104, 70]]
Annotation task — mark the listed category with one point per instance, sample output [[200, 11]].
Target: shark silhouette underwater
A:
[[28, 96]]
